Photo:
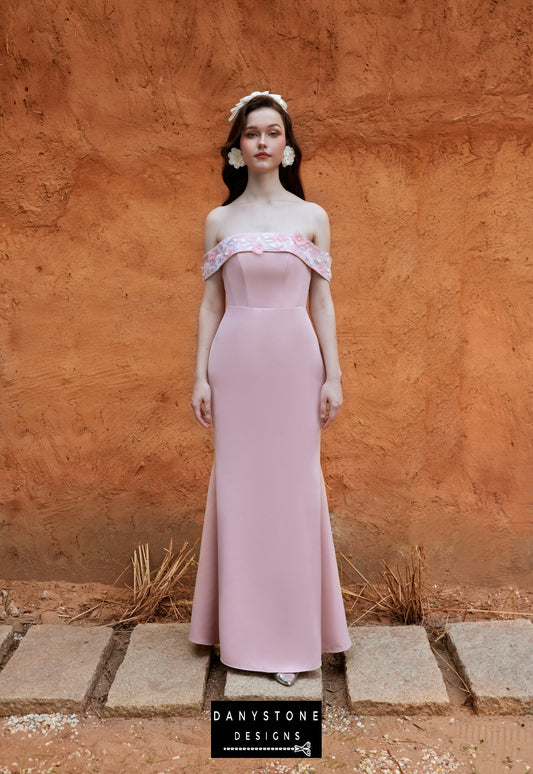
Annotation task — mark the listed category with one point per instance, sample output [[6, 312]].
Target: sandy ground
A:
[[61, 601], [416, 745], [457, 742]]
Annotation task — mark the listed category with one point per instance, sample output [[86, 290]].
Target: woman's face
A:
[[263, 139]]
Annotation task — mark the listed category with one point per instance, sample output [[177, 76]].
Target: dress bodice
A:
[[267, 269]]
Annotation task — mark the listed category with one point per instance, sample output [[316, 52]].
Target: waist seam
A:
[[265, 308]]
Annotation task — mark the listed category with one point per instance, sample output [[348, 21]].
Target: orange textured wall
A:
[[415, 121]]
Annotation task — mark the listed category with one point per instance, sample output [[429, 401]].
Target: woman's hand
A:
[[201, 402], [330, 401]]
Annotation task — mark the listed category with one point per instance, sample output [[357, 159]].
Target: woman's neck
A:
[[263, 188]]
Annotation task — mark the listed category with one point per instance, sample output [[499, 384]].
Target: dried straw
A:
[[404, 599], [158, 594]]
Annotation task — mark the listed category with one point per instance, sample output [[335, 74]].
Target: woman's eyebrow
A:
[[268, 127]]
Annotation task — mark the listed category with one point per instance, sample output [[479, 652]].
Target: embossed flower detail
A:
[[299, 239], [257, 246]]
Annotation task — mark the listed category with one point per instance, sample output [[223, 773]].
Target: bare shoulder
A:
[[317, 212], [213, 224], [319, 225]]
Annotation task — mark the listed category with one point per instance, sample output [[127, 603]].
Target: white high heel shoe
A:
[[285, 678]]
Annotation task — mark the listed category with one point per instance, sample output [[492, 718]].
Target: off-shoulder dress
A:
[[267, 587]]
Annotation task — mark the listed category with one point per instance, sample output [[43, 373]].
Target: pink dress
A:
[[267, 587]]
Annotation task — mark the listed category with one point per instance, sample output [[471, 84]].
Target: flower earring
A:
[[235, 158], [288, 156]]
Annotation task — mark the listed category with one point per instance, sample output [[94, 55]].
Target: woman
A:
[[267, 587]]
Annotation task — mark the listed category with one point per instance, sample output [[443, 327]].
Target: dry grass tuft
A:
[[158, 594], [406, 599], [402, 597]]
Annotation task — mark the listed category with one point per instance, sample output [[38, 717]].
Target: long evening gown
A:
[[267, 587]]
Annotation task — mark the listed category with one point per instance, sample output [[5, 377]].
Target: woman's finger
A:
[[199, 413], [333, 410], [323, 405], [207, 411]]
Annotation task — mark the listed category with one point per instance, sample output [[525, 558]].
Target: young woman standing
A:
[[268, 380]]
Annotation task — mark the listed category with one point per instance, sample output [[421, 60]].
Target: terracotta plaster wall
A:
[[415, 119]]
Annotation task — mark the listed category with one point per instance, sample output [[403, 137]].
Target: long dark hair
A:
[[236, 179]]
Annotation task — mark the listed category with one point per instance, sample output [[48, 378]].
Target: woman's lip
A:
[[262, 155]]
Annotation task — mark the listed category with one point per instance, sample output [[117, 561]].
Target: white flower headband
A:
[[276, 97]]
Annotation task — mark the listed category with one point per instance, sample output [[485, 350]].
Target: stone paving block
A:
[[6, 638], [495, 658], [163, 673], [255, 686], [54, 669], [391, 669]]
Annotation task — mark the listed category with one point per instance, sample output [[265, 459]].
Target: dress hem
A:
[[273, 670]]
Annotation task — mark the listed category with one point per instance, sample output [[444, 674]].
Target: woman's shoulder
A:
[[215, 216], [313, 213], [213, 224], [314, 210], [317, 222]]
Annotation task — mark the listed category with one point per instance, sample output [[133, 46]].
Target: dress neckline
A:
[[264, 242], [297, 236]]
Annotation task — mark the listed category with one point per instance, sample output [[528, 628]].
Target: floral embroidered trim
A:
[[260, 243]]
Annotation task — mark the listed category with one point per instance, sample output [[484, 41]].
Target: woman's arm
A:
[[322, 314], [211, 312]]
